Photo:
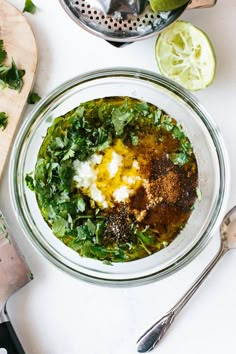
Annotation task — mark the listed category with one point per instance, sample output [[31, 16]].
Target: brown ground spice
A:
[[164, 200]]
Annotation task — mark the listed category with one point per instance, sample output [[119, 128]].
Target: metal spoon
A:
[[228, 241]]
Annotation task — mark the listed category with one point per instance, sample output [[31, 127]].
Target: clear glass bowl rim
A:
[[192, 102]]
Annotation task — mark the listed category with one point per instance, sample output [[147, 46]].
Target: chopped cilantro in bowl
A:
[[115, 179]]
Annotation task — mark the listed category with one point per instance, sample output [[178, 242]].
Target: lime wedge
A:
[[185, 54], [166, 5]]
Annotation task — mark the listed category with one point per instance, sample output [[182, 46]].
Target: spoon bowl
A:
[[228, 229]]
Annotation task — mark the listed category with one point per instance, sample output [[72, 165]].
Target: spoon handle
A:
[[154, 334]]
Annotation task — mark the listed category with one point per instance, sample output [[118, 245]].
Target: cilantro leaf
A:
[[30, 7], [81, 205], [29, 182], [4, 70], [33, 98], [59, 226], [3, 53], [14, 76], [80, 111], [179, 158], [68, 155], [143, 108], [167, 122], [91, 227], [86, 230], [82, 233], [3, 120], [186, 146], [120, 118], [178, 132], [58, 143], [10, 76]]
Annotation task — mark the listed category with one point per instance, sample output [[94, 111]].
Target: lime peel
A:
[[166, 5], [185, 54]]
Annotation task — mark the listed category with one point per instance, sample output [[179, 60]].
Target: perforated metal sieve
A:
[[124, 21]]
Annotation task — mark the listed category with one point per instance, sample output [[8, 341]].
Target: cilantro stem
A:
[[144, 247]]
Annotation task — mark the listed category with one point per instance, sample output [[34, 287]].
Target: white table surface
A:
[[58, 314]]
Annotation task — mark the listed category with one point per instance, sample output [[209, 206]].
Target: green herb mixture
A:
[[140, 185]]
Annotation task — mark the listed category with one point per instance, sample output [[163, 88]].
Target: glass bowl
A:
[[208, 148]]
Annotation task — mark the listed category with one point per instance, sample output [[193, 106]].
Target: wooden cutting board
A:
[[19, 43]]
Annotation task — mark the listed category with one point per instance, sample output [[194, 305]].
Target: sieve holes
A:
[[115, 24]]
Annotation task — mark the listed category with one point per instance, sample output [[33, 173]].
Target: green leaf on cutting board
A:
[[3, 53], [10, 76], [3, 120], [13, 77]]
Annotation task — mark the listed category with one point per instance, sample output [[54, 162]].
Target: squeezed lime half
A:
[[166, 5], [185, 54]]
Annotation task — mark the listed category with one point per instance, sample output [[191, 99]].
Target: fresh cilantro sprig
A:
[[10, 76], [13, 77], [3, 120], [121, 116], [30, 7]]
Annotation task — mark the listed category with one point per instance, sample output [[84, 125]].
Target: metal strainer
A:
[[120, 21]]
